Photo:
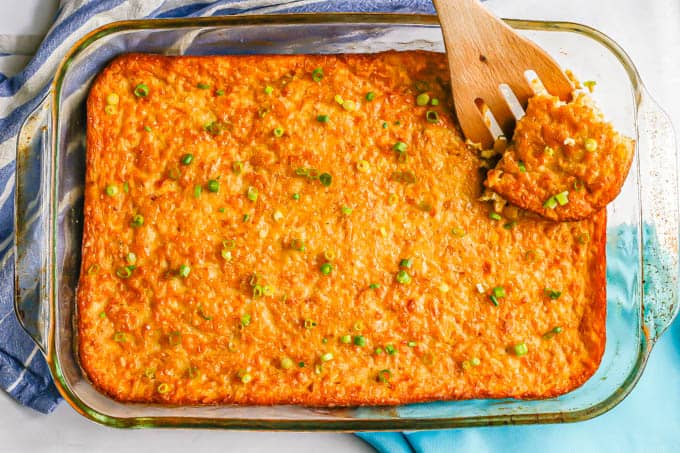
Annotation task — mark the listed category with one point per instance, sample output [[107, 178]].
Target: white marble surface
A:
[[649, 32]]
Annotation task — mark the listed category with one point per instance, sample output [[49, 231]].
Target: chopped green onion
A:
[[360, 340], [317, 74], [310, 324], [147, 128], [247, 377], [337, 98], [213, 185], [221, 210], [102, 315], [400, 147], [431, 116], [327, 357], [384, 376], [411, 344], [422, 99], [187, 159], [494, 299], [252, 193], [111, 190], [295, 196], [258, 291], [219, 92], [475, 361], [590, 145], [112, 99], [323, 118], [302, 171], [552, 332], [326, 268], [550, 203], [237, 167], [301, 364], [246, 217], [141, 90], [458, 232], [278, 132], [370, 96], [590, 84], [203, 86], [110, 109], [346, 210], [434, 102], [520, 349], [137, 221], [119, 337], [498, 291], [562, 198], [494, 216], [197, 191], [163, 388], [510, 225], [384, 125], [184, 270], [391, 350], [214, 128], [325, 179], [226, 254], [549, 151], [583, 238], [374, 285], [126, 187], [297, 244], [521, 166], [268, 89], [406, 262], [286, 363], [347, 339], [245, 319], [551, 293], [403, 277]]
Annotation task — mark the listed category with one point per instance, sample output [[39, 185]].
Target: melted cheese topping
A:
[[249, 276]]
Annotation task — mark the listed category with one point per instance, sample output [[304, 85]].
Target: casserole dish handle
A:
[[31, 239], [660, 218]]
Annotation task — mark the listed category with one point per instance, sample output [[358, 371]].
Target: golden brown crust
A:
[[159, 337], [550, 141]]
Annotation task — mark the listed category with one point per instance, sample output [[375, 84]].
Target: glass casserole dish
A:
[[642, 222]]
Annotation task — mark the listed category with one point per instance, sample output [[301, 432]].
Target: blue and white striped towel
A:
[[23, 371]]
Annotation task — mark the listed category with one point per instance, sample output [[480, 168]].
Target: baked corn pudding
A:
[[308, 230], [565, 161]]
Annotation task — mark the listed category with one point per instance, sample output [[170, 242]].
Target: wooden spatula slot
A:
[[483, 53]]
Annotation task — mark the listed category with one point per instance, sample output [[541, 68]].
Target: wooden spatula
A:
[[485, 53]]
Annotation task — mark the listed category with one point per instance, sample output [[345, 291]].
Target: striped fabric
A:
[[24, 81]]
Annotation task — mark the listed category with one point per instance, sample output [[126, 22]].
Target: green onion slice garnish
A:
[[522, 167], [403, 277], [552, 332], [184, 270], [112, 190], [252, 193], [431, 116], [422, 99], [326, 268], [370, 96], [360, 340], [213, 185], [187, 159], [520, 349], [552, 294], [494, 216], [406, 263], [137, 221], [141, 90], [245, 319], [323, 118], [325, 179], [317, 74], [384, 376]]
